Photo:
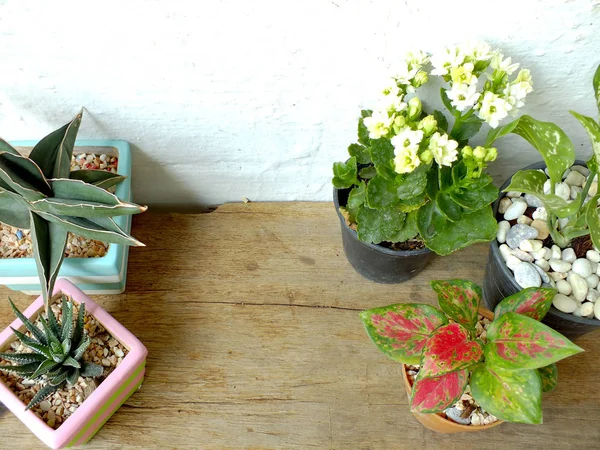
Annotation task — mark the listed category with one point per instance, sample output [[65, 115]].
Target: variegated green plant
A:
[[39, 192], [56, 351], [507, 374], [580, 214]]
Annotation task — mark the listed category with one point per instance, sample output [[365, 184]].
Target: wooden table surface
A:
[[250, 316]]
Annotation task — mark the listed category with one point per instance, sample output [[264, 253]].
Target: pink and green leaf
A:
[[514, 396], [459, 299], [401, 331], [549, 377], [531, 302], [433, 395], [517, 342], [449, 349]]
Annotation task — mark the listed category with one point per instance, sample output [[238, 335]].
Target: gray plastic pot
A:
[[375, 262], [499, 283]]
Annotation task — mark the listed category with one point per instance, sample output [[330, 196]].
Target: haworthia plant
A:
[[507, 374], [40, 193]]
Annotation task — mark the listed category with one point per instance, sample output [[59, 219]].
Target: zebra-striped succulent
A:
[[40, 193], [56, 351]]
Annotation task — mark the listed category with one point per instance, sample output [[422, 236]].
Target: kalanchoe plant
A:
[[567, 218], [507, 373], [410, 174], [56, 351], [40, 193]]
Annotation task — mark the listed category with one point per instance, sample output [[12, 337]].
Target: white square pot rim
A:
[[137, 353]]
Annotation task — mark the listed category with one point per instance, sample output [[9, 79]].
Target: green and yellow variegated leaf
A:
[[549, 377], [23, 176], [433, 395], [593, 131], [91, 229], [531, 302], [517, 342], [593, 220], [496, 133], [6, 147], [401, 331], [14, 210], [449, 348], [53, 153], [532, 182], [79, 208], [99, 178], [459, 299], [514, 396], [551, 141], [596, 84]]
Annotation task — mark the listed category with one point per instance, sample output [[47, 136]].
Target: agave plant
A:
[[507, 374], [40, 193], [57, 351]]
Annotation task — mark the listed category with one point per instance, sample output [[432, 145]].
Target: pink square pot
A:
[[104, 401]]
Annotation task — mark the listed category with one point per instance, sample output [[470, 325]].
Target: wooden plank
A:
[[250, 316]]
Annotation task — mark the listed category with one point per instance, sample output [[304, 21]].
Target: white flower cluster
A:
[[464, 67]]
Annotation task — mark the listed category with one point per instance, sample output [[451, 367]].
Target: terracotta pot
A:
[[438, 422]]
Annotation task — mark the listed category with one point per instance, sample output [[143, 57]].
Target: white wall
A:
[[256, 98]]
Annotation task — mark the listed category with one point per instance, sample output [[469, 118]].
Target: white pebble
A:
[[582, 267], [564, 303], [533, 201], [575, 191], [592, 295], [594, 266], [543, 275], [560, 266], [525, 220], [586, 309], [505, 251], [512, 262], [505, 203], [542, 263], [103, 157], [556, 276], [568, 255], [503, 228], [592, 281], [579, 286], [526, 275], [523, 256], [593, 190], [582, 170], [515, 210], [597, 310], [547, 186], [562, 223], [45, 405], [593, 256], [531, 245], [563, 287], [513, 194], [575, 179], [540, 213], [542, 227], [563, 190], [556, 253]]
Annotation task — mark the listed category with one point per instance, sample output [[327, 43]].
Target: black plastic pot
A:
[[499, 283], [375, 262]]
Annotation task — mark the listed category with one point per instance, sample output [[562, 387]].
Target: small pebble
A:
[[593, 190], [503, 228], [504, 204], [512, 262], [45, 405], [563, 287], [454, 415], [564, 303], [582, 267], [592, 295], [586, 309], [579, 286], [541, 227], [563, 190], [597, 310], [560, 266], [592, 281], [523, 256], [505, 251], [530, 245], [575, 179], [593, 256], [556, 276], [533, 201], [518, 233], [524, 219], [515, 210], [543, 275], [543, 264], [581, 169], [513, 194], [575, 191], [556, 253], [568, 255], [526, 275], [540, 214]]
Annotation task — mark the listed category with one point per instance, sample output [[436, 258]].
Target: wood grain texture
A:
[[250, 316]]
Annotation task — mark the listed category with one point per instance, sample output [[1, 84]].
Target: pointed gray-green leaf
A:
[[79, 324], [33, 345], [83, 345], [44, 368], [23, 358], [80, 190], [44, 392], [91, 230], [67, 323], [49, 242], [99, 178], [593, 131], [91, 370], [71, 362], [72, 377], [53, 153], [88, 210], [551, 141], [593, 220], [24, 370], [35, 331], [6, 147], [23, 176], [50, 335], [53, 322], [59, 379], [14, 210]]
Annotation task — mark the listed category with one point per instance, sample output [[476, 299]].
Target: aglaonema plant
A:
[[40, 193], [507, 372], [567, 218]]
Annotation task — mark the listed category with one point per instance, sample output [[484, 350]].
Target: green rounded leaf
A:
[[514, 396], [378, 225], [459, 299], [449, 349], [517, 342], [345, 173], [593, 220], [401, 331], [381, 193], [433, 395], [531, 302], [360, 152]]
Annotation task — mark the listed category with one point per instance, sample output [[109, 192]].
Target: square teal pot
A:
[[102, 275]]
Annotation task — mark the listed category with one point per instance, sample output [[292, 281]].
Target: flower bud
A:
[[467, 152], [428, 125], [420, 79], [492, 154], [426, 157], [414, 108], [479, 153]]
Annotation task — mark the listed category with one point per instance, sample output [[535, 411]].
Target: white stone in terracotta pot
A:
[[568, 255], [526, 275], [582, 267], [564, 303], [575, 179], [563, 287], [540, 213], [592, 281], [593, 256], [505, 203], [579, 286], [503, 228], [515, 210], [559, 265], [505, 251], [563, 190]]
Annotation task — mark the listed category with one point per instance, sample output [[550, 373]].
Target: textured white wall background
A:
[[229, 99]]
